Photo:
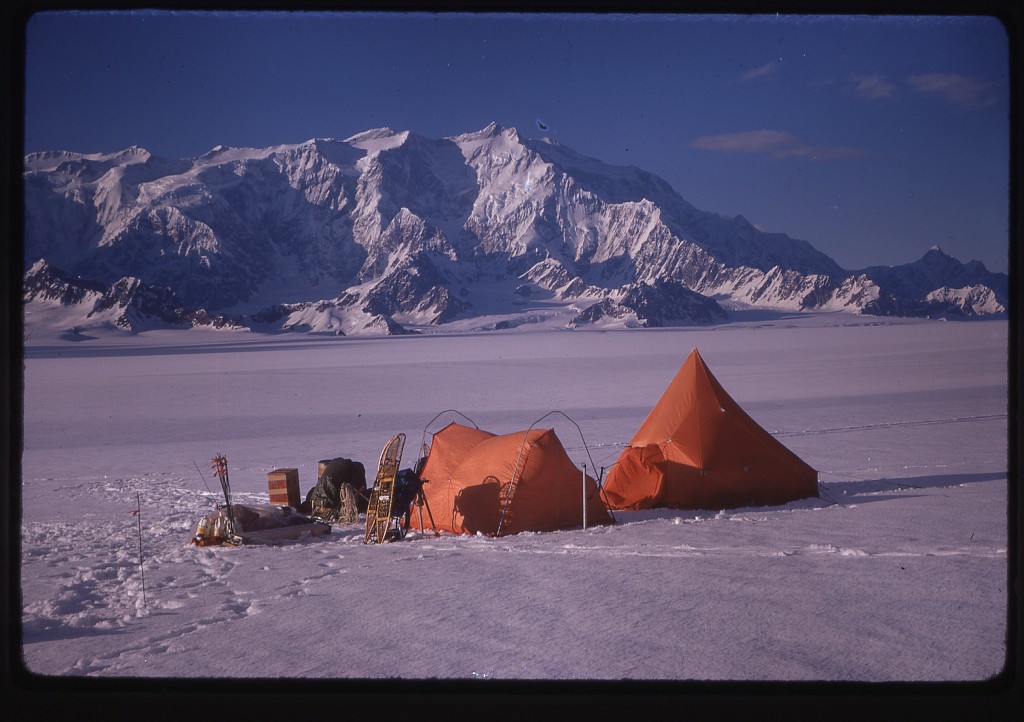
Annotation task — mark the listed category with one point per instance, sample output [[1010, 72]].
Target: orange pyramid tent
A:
[[697, 449], [475, 481]]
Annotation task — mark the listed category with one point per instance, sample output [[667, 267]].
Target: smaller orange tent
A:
[[468, 475], [697, 449]]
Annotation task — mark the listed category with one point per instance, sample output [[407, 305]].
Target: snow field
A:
[[897, 573]]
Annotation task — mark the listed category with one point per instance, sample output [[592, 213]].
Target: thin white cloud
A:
[[773, 143], [769, 68], [873, 86], [960, 90]]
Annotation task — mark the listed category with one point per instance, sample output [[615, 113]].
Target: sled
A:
[[378, 513], [256, 524], [284, 534]]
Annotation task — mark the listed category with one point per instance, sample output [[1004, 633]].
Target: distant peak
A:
[[214, 151], [372, 134], [491, 130], [935, 254], [378, 139], [132, 154]]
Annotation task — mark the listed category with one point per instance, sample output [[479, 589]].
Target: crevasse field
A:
[[898, 572]]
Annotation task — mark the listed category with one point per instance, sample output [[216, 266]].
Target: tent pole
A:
[[584, 496]]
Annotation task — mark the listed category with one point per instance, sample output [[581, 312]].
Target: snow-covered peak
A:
[[214, 152], [488, 131], [565, 155], [935, 260], [377, 140], [50, 160], [973, 300], [492, 145], [458, 227], [131, 155], [371, 134], [224, 154]]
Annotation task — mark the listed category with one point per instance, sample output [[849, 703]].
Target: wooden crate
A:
[[284, 487]]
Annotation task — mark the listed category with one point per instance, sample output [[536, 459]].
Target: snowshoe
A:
[[378, 512]]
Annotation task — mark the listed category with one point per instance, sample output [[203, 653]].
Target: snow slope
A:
[[897, 573]]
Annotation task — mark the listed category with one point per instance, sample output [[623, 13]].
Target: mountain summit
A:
[[391, 232]]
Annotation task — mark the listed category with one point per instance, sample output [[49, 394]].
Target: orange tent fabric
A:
[[468, 473], [697, 449]]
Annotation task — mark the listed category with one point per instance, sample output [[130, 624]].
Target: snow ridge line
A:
[[840, 429], [837, 429], [888, 424]]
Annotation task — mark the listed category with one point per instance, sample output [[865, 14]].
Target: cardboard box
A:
[[284, 487]]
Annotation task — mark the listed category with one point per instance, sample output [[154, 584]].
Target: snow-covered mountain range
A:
[[390, 232]]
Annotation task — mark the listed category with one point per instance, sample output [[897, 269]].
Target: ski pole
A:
[[138, 513]]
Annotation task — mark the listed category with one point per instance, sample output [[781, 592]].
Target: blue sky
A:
[[871, 138]]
